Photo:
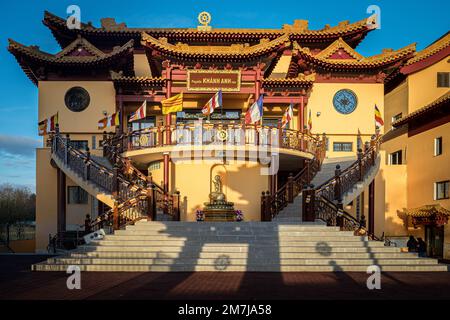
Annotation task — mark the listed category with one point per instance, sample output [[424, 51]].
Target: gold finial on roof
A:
[[204, 18]]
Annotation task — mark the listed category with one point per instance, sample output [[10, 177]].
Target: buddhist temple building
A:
[[102, 162]]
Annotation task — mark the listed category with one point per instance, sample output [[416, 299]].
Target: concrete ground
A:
[[18, 282]]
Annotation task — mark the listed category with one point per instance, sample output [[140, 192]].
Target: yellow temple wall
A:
[[51, 101], [242, 184], [340, 127], [424, 169], [46, 195], [423, 87], [396, 102]]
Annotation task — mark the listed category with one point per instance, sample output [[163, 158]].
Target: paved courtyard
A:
[[18, 282]]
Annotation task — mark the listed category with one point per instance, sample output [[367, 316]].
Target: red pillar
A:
[[301, 115], [168, 94], [166, 171]]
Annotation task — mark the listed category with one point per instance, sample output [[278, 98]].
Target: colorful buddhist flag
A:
[[310, 120], [213, 103], [378, 118], [173, 104], [48, 125], [287, 116], [255, 112], [109, 121], [140, 113]]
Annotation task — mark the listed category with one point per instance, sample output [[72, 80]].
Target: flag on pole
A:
[[140, 113], [378, 118], [109, 121], [255, 112], [287, 116], [48, 125], [310, 120], [213, 103], [173, 104]]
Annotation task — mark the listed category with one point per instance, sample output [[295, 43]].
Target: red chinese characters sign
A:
[[212, 80]]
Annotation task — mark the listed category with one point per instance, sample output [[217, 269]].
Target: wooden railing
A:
[[272, 204], [135, 196], [215, 134], [325, 201]]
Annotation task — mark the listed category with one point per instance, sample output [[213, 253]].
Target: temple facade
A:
[[164, 166]]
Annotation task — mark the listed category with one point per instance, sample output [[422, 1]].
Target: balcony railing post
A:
[[87, 168], [263, 206], [66, 150], [115, 181], [290, 188], [373, 146], [151, 213], [360, 168], [340, 214], [116, 222], [176, 206], [308, 204], [338, 185], [268, 212]]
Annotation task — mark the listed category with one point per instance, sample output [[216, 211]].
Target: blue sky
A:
[[402, 23]]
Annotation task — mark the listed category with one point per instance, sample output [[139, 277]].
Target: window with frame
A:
[[438, 146], [343, 146], [395, 158], [441, 190], [148, 122], [397, 117], [79, 144], [76, 195], [443, 79]]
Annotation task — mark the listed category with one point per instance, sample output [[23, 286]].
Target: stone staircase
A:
[[293, 211], [240, 246]]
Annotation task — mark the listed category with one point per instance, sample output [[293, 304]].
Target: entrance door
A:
[[434, 237]]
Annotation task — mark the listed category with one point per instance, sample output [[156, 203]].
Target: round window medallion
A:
[[345, 101], [77, 99]]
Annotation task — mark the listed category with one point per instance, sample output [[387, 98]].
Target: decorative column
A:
[[301, 114], [120, 109], [168, 94], [61, 201], [372, 207], [166, 158]]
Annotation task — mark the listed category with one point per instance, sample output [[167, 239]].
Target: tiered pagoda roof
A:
[[111, 33], [80, 54]]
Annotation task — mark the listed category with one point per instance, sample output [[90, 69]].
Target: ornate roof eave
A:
[[234, 52], [30, 57], [432, 54], [34, 53], [373, 62], [441, 102], [119, 78], [302, 81], [329, 34], [428, 211]]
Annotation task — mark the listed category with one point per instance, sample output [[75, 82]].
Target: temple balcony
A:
[[212, 141]]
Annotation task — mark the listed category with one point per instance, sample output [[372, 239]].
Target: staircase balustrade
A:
[[325, 201]]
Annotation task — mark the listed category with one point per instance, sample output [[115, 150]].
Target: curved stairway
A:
[[241, 246]]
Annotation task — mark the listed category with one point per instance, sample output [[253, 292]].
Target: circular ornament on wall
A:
[[77, 99], [345, 101]]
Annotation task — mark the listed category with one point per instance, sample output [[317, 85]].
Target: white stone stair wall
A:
[[293, 211], [236, 246], [90, 187]]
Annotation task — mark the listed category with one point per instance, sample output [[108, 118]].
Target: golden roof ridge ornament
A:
[[204, 18]]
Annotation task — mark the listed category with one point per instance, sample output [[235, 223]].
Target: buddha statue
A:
[[218, 209]]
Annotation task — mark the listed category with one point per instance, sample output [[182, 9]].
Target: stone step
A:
[[243, 255], [226, 260], [254, 268], [253, 243], [187, 228], [229, 238], [193, 234], [236, 248]]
